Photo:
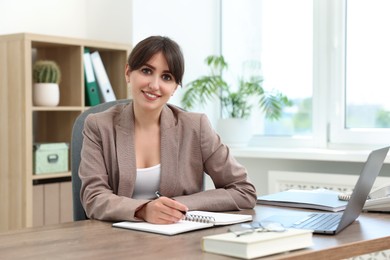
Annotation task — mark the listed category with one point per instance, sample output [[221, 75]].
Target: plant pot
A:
[[234, 132], [46, 94]]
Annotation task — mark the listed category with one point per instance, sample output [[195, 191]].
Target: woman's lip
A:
[[150, 96]]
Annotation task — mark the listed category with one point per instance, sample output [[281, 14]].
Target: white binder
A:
[[106, 91]]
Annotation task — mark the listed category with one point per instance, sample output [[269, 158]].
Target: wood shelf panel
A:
[[60, 108], [51, 175]]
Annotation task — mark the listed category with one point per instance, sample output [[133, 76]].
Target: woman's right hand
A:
[[162, 211]]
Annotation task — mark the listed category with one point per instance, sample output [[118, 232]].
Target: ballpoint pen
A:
[[158, 195]]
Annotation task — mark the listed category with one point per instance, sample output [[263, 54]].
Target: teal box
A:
[[50, 157]]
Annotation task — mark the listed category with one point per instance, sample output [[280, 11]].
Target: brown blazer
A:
[[189, 147]]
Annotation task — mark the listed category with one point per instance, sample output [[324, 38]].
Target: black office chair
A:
[[76, 144]]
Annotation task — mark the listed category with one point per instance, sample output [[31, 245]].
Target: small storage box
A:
[[50, 157]]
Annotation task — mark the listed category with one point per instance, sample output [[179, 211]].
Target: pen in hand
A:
[[158, 195]]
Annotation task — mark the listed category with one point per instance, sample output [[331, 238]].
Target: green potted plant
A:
[[236, 102], [46, 77]]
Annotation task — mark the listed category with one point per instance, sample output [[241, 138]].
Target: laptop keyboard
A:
[[319, 221]]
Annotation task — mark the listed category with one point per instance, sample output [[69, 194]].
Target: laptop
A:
[[333, 223]]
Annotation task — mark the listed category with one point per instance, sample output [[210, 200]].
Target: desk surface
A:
[[93, 239]]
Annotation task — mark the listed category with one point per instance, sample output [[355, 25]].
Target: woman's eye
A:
[[167, 77], [146, 71]]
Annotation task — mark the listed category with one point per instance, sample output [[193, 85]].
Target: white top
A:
[[147, 182]]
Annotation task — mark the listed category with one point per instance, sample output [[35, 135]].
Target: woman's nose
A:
[[154, 83]]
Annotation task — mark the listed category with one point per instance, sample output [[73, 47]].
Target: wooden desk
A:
[[93, 239]]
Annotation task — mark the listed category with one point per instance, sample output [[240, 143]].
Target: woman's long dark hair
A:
[[148, 47]]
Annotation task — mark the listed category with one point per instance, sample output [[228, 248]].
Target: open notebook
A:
[[194, 220]]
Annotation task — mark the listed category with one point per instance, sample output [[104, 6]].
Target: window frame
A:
[[320, 98], [339, 134]]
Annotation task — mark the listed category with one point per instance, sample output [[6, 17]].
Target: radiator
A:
[[285, 180]]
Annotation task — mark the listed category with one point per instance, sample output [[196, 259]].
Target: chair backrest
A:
[[76, 144]]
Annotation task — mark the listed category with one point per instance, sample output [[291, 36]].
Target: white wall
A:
[[109, 20], [89, 19], [54, 17]]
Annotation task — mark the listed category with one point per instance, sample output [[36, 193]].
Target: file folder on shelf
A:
[[92, 97], [106, 91]]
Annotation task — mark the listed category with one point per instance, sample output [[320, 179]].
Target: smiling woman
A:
[[148, 139]]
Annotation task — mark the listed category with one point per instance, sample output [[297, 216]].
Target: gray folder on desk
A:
[[320, 199]]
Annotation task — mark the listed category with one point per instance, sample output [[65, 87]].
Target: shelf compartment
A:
[[68, 58], [53, 126]]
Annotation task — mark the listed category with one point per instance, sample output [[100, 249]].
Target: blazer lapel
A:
[[169, 152], [125, 150]]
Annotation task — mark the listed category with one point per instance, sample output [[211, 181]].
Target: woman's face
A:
[[153, 84]]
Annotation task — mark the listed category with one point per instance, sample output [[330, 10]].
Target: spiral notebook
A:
[[194, 220]]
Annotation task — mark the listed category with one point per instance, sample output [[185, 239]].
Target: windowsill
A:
[[317, 154]]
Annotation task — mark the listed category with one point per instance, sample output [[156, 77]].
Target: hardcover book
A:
[[257, 244]]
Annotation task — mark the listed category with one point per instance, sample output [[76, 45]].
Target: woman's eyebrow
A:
[[150, 66], [153, 68]]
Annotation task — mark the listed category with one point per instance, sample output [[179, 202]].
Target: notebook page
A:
[[165, 229], [222, 218]]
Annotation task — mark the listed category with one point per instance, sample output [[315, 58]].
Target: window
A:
[[363, 108], [367, 72], [329, 57], [277, 36]]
